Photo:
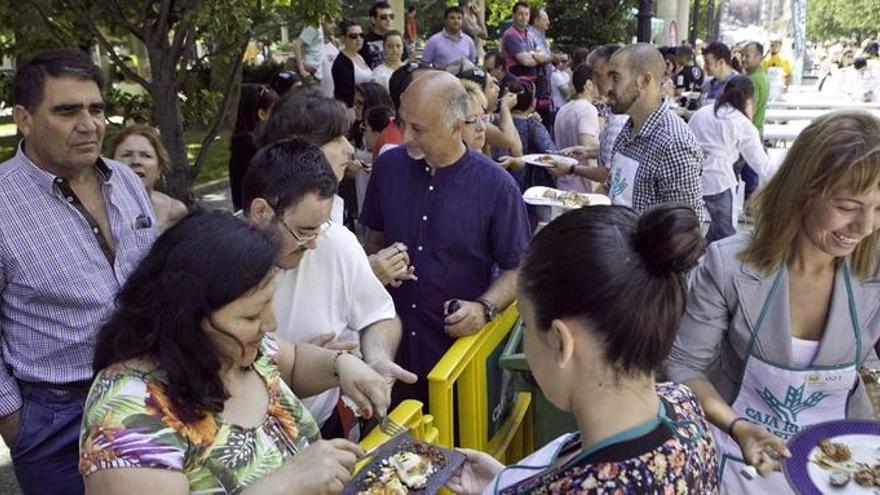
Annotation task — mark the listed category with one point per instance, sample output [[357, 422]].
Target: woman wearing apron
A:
[[601, 292], [778, 322]]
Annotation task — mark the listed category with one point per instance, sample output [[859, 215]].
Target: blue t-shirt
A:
[[459, 225]]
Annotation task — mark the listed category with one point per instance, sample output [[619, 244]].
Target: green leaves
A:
[[828, 19]]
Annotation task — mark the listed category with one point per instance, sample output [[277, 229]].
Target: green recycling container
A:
[[549, 422]]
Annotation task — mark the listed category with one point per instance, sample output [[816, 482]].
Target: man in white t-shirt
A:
[[577, 124], [308, 49], [326, 292]]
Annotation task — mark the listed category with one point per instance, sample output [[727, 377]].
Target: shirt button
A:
[[414, 306], [69, 199], [419, 248], [96, 230], [413, 334], [59, 180], [430, 188], [427, 169], [425, 218]]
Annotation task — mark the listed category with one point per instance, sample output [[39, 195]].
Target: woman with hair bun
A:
[[725, 132], [778, 322], [601, 292]]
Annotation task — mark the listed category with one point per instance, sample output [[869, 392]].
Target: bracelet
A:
[[339, 354], [571, 169], [733, 424]]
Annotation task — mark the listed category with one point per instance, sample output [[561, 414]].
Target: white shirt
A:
[[337, 211], [803, 351], [613, 125], [382, 74], [329, 53], [723, 138], [559, 82], [332, 290], [573, 119]]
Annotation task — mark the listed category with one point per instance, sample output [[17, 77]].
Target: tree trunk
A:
[[710, 24], [693, 32], [170, 122], [222, 66]]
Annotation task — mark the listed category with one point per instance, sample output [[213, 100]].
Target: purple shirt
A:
[[514, 42], [57, 283], [443, 49], [459, 225]]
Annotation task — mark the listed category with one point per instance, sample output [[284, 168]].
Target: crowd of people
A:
[[379, 216]]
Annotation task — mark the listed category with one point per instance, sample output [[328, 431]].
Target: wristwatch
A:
[[489, 309]]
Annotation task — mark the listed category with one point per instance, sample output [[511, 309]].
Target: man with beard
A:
[[656, 159], [373, 50]]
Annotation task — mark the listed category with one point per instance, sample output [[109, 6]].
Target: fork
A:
[[390, 427]]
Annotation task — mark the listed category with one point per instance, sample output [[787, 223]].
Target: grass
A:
[[215, 167]]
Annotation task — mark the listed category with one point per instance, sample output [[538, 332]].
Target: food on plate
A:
[[569, 199], [404, 471], [839, 479], [837, 452], [864, 476], [546, 159]]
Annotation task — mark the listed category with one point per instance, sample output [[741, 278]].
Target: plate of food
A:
[[567, 200], [840, 457], [547, 160], [404, 465]]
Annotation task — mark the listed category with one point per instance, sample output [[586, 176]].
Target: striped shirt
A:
[[58, 280], [670, 161]]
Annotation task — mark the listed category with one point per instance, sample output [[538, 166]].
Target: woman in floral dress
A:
[[194, 395], [601, 292]]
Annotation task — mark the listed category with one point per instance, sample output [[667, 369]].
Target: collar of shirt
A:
[[444, 172], [650, 124], [448, 35], [45, 180]]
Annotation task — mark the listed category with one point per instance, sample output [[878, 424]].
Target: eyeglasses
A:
[[473, 120], [303, 238], [354, 36], [386, 17]]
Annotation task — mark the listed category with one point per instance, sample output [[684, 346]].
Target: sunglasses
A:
[[386, 17], [354, 36]]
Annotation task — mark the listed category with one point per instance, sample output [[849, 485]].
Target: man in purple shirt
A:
[[522, 55], [451, 44], [461, 217], [73, 226]]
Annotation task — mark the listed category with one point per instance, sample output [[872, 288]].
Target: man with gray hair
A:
[[656, 158], [460, 214]]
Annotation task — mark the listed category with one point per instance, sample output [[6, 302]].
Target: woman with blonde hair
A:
[[778, 322], [474, 131], [139, 147]]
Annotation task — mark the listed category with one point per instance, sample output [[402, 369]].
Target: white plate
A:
[[864, 448], [533, 159], [535, 196]]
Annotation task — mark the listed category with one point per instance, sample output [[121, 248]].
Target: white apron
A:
[[784, 401], [622, 180]]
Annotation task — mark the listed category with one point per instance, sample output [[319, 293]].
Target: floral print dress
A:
[[658, 462], [128, 422]]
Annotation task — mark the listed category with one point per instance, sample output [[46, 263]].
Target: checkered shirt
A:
[[57, 285], [670, 161]]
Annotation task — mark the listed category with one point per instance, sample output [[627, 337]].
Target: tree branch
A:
[[119, 17], [183, 32], [102, 40], [164, 13], [63, 38], [224, 109]]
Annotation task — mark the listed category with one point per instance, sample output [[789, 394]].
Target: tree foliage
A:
[[589, 23], [828, 19]]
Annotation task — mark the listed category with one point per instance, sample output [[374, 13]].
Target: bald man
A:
[[656, 158], [459, 215]]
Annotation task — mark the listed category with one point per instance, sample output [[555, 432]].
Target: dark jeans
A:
[[46, 452], [748, 175], [720, 207]]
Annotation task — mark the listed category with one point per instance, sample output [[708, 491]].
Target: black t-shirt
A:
[[689, 78], [373, 50]]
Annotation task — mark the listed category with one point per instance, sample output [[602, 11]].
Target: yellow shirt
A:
[[778, 61]]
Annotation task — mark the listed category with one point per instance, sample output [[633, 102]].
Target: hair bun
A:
[[668, 239]]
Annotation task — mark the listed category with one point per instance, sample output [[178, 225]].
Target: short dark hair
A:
[[453, 9], [374, 10], [30, 77], [284, 80], [309, 115], [525, 94], [683, 56], [283, 173], [378, 118], [758, 47], [521, 4], [859, 63], [534, 12], [389, 34], [199, 265], [401, 78], [254, 97], [582, 74], [718, 50], [603, 53], [345, 24], [374, 94], [621, 274], [737, 90], [579, 56]]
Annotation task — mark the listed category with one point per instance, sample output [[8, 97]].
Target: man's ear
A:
[[260, 213], [23, 120]]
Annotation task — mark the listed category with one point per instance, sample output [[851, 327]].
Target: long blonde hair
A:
[[839, 150]]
